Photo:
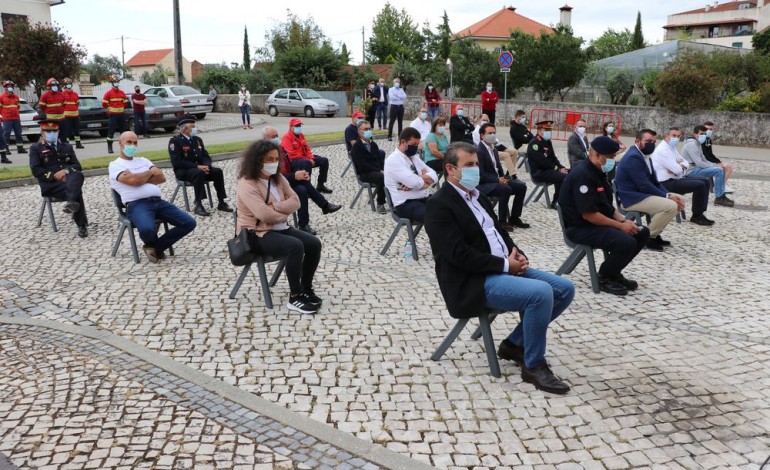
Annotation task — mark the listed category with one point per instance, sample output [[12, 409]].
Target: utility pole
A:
[[122, 52], [363, 46], [179, 72]]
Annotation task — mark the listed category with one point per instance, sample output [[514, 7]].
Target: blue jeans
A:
[[140, 123], [433, 112], [15, 126], [382, 115], [143, 214], [539, 297], [718, 173], [245, 116]]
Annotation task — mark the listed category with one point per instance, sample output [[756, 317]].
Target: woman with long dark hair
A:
[[265, 201]]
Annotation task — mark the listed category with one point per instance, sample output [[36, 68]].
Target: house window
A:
[[738, 45], [744, 6], [9, 19]]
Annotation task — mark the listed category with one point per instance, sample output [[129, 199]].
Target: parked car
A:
[[30, 121], [93, 117], [193, 101], [296, 101], [160, 113]]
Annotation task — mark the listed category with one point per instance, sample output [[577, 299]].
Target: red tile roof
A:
[[500, 24], [148, 57], [727, 6]]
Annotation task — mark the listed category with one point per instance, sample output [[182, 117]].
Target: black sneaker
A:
[[662, 241], [629, 284], [299, 304], [612, 286], [510, 352], [310, 298]]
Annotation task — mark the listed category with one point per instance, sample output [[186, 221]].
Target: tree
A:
[[761, 42], [33, 54], [684, 85], [246, 50], [474, 66], [610, 43], [637, 40], [406, 70], [344, 54], [102, 67], [620, 85], [158, 76], [444, 38], [393, 35], [649, 85]]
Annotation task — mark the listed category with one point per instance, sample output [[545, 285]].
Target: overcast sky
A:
[[212, 31]]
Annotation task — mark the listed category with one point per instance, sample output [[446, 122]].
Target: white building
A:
[[731, 23], [32, 11]]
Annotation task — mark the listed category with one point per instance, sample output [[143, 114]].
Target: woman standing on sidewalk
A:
[[244, 102]]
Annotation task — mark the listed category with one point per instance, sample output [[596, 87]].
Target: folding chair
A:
[[578, 252], [539, 190], [48, 204], [126, 224], [183, 185], [363, 185], [350, 164], [411, 230], [484, 330]]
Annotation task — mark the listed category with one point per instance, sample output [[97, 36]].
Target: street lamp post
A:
[[450, 69]]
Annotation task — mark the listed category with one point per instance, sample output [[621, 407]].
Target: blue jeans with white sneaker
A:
[[716, 172], [539, 297]]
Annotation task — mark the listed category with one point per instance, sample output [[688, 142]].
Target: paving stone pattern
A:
[[674, 375]]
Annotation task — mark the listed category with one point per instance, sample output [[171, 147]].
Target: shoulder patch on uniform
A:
[[583, 189], [535, 147], [171, 146]]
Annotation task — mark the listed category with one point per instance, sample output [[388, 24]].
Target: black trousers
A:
[[302, 252], [117, 123], [322, 163], [70, 128], [377, 178], [699, 187], [491, 114], [503, 192], [413, 209], [554, 177], [436, 165], [70, 190], [198, 178], [621, 248], [396, 113], [306, 191]]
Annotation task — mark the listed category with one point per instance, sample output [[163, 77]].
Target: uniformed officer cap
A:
[[186, 120], [605, 146], [49, 125], [544, 124]]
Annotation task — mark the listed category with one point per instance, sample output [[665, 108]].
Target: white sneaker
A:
[[729, 190]]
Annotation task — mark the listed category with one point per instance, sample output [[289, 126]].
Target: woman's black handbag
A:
[[244, 247]]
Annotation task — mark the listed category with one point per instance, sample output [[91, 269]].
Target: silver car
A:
[[296, 101], [193, 101], [30, 121]]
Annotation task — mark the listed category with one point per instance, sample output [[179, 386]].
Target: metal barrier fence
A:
[[564, 122], [471, 110]]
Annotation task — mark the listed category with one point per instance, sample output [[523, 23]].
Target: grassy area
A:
[[161, 155]]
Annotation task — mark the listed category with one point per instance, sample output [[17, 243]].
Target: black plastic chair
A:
[[539, 190], [578, 253], [183, 185], [48, 204], [484, 330], [412, 230], [126, 224]]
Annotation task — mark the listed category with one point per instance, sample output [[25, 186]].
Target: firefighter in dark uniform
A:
[[58, 170], [543, 164], [590, 218], [192, 164]]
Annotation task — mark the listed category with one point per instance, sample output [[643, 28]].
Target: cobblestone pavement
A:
[[675, 375]]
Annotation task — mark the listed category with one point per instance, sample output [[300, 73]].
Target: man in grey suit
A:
[[577, 145]]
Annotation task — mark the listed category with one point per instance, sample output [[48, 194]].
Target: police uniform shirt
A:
[[585, 189], [51, 159], [190, 149]]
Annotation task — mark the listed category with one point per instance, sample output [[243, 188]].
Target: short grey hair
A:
[[267, 129], [364, 121], [451, 157]]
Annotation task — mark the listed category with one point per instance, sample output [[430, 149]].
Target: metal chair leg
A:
[[132, 239], [42, 211], [369, 189], [477, 334], [535, 191], [240, 279], [592, 270], [350, 163], [444, 346], [277, 272], [390, 240], [411, 233], [118, 240], [489, 345], [571, 262], [358, 195], [265, 286]]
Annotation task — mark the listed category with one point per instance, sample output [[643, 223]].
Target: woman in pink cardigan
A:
[[265, 201]]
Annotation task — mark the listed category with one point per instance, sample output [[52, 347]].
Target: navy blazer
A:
[[634, 180], [461, 250], [487, 172]]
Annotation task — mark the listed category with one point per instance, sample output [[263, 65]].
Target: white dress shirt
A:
[[497, 245], [422, 126], [399, 174], [668, 163]]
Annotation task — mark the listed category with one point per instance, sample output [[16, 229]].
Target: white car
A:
[[30, 122], [193, 101]]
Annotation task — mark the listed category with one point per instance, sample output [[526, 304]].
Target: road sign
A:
[[505, 60], [505, 70]]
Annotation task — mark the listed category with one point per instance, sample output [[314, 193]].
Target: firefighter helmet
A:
[[7, 83], [114, 78], [51, 81], [67, 81]]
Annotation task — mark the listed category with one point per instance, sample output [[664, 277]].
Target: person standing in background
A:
[[244, 102]]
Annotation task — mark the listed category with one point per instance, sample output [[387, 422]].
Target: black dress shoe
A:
[[662, 241], [199, 210], [223, 206], [517, 222], [323, 189], [511, 352], [654, 245], [307, 229], [543, 379], [329, 208], [82, 231], [630, 284], [612, 286], [71, 207], [701, 220], [506, 226]]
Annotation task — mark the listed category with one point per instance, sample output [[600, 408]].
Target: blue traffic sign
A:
[[505, 60]]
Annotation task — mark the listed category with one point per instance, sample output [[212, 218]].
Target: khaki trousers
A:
[[661, 210], [507, 160]]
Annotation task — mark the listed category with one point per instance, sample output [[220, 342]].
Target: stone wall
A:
[[739, 129], [229, 104]]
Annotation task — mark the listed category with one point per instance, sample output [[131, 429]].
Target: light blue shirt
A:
[[396, 95]]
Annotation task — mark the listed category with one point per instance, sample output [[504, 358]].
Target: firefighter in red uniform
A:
[[9, 109], [52, 101], [71, 124], [115, 101]]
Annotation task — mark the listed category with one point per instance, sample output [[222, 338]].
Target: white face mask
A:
[[581, 130], [270, 168]]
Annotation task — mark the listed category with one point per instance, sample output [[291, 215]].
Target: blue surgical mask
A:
[[673, 142], [490, 138], [470, 177], [129, 150], [702, 138], [368, 134], [51, 137], [523, 120], [116, 84], [423, 115], [610, 129], [709, 133], [54, 88], [397, 85], [10, 89], [489, 88], [608, 165], [359, 121], [276, 140], [193, 132], [441, 130], [298, 130], [546, 135], [460, 112]]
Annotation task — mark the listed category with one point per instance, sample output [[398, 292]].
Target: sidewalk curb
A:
[[371, 452]]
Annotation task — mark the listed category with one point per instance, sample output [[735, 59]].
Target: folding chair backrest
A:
[[526, 164], [118, 202], [390, 205], [569, 243]]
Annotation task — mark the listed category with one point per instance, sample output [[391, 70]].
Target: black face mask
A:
[[411, 151], [648, 148]]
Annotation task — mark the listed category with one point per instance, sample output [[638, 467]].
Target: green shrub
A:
[[748, 103], [764, 97]]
